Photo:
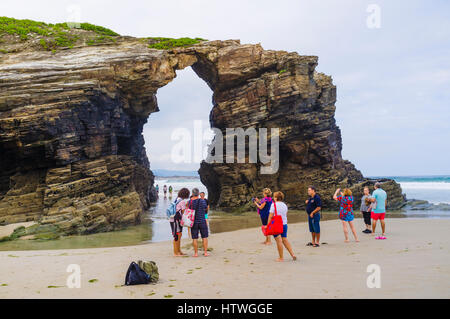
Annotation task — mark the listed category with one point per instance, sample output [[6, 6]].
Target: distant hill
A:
[[170, 173]]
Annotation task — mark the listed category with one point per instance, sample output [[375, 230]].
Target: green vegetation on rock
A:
[[53, 36], [39, 232], [17, 35], [170, 43]]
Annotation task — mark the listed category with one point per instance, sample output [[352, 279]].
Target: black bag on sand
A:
[[136, 276], [150, 268]]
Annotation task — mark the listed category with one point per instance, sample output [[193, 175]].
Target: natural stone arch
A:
[[71, 129]]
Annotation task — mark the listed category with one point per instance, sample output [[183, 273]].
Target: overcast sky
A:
[[393, 82]]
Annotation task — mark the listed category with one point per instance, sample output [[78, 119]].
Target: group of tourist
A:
[[373, 208], [199, 203], [164, 190]]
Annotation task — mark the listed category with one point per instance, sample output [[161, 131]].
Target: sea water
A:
[[155, 227], [435, 189]]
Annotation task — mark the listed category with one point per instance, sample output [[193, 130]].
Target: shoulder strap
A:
[[275, 208]]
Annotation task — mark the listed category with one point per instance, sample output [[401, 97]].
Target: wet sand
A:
[[414, 263]]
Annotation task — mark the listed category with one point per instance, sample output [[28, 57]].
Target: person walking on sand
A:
[[263, 206], [281, 208], [200, 225], [313, 207], [165, 190], [379, 198], [365, 210], [157, 190], [175, 221], [170, 191], [345, 200]]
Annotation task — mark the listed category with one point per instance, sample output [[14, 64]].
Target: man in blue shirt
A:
[[200, 206], [313, 206], [379, 198]]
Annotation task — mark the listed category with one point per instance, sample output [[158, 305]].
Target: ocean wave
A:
[[425, 185]]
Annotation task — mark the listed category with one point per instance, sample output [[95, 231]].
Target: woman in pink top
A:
[[263, 206], [175, 224]]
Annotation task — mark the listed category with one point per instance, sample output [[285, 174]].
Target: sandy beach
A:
[[414, 263]]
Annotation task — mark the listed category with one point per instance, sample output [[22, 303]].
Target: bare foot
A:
[[268, 243], [195, 255], [206, 254], [280, 259], [346, 241], [294, 258], [357, 240]]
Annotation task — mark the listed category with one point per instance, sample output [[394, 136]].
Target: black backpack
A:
[[136, 276]]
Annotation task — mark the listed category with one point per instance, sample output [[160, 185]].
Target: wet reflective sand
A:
[[155, 228]]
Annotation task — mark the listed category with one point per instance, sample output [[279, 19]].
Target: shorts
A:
[[264, 219], [366, 216], [203, 228], [347, 218], [177, 229], [314, 226], [378, 216], [284, 233]]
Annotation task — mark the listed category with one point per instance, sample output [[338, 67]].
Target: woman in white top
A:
[[281, 209]]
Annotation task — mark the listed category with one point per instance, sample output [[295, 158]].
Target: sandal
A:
[[316, 245]]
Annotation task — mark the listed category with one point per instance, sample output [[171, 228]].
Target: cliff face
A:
[[71, 144]]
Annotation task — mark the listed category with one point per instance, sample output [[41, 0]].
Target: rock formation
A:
[[71, 144]]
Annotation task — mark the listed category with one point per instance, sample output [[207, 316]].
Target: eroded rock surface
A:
[[71, 144]]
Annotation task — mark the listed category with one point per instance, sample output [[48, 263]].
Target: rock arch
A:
[[73, 154]]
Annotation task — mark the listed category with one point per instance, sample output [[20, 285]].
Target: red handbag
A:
[[276, 224]]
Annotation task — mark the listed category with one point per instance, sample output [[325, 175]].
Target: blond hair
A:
[[347, 192], [279, 196], [267, 191]]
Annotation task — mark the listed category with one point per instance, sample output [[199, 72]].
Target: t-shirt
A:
[[181, 205], [313, 203], [199, 205], [207, 203], [345, 207], [282, 210], [380, 196], [364, 207]]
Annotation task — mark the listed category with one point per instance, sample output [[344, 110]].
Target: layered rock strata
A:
[[71, 144]]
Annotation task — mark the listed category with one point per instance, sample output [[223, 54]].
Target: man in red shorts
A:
[[379, 197]]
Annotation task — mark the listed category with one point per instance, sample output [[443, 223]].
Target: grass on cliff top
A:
[[50, 36], [170, 43], [16, 35]]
